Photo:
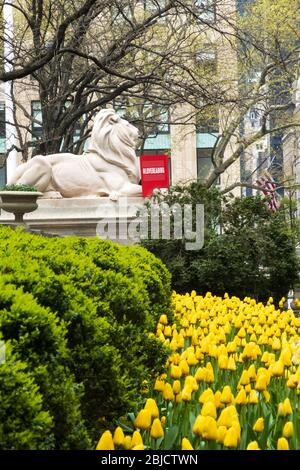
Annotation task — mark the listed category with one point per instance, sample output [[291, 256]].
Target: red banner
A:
[[154, 173]]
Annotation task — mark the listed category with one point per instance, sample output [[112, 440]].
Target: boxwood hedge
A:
[[78, 313]]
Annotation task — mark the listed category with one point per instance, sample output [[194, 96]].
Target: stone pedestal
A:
[[79, 216]]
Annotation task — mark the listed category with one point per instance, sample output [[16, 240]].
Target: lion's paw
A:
[[52, 195], [114, 196]]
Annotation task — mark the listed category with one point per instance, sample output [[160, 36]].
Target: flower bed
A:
[[232, 380]]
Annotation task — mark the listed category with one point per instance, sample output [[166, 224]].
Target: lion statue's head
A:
[[114, 139]]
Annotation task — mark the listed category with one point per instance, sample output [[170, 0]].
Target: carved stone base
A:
[[79, 216]]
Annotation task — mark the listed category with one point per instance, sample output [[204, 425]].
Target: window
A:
[[153, 5], [207, 55], [206, 10], [206, 60], [37, 122], [253, 115], [208, 123], [154, 118], [204, 163], [36, 114], [2, 121], [160, 120]]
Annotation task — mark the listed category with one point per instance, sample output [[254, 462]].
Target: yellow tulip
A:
[[198, 425], [231, 364], [277, 369], [138, 447], [106, 442], [218, 402], [118, 436], [276, 345], [227, 396], [186, 445], [209, 430], [143, 420], [209, 377], [186, 394], [259, 425], [136, 439], [152, 407], [285, 409], [231, 438], [282, 444], [176, 386], [286, 356], [200, 374], [207, 395], [288, 429], [221, 433], [241, 333], [241, 398], [178, 398], [245, 379], [191, 359], [167, 331], [156, 429], [236, 425], [227, 416], [251, 351], [168, 392], [253, 338], [252, 372], [291, 383], [261, 382], [190, 381], [265, 357], [209, 409], [253, 446], [184, 367], [223, 361], [175, 372], [127, 443], [231, 347], [159, 385], [163, 319]]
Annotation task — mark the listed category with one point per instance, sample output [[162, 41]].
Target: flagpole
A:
[[11, 162]]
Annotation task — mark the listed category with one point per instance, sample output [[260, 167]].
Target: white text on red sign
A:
[[153, 171]]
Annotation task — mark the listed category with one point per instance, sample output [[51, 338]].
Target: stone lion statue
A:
[[110, 167]]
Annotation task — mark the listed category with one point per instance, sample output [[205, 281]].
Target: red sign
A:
[[154, 173]]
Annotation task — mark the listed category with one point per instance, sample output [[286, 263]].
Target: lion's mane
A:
[[111, 139]]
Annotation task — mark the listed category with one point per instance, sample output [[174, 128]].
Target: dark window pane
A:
[[206, 10], [204, 163], [2, 121]]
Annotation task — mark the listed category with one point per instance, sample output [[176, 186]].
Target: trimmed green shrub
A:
[[38, 338], [106, 300], [24, 422]]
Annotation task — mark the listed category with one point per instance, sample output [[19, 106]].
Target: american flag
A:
[[268, 185]]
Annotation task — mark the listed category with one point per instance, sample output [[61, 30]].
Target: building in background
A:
[[188, 142], [291, 153]]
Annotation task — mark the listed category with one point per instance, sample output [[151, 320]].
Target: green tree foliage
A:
[[80, 313], [253, 256]]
